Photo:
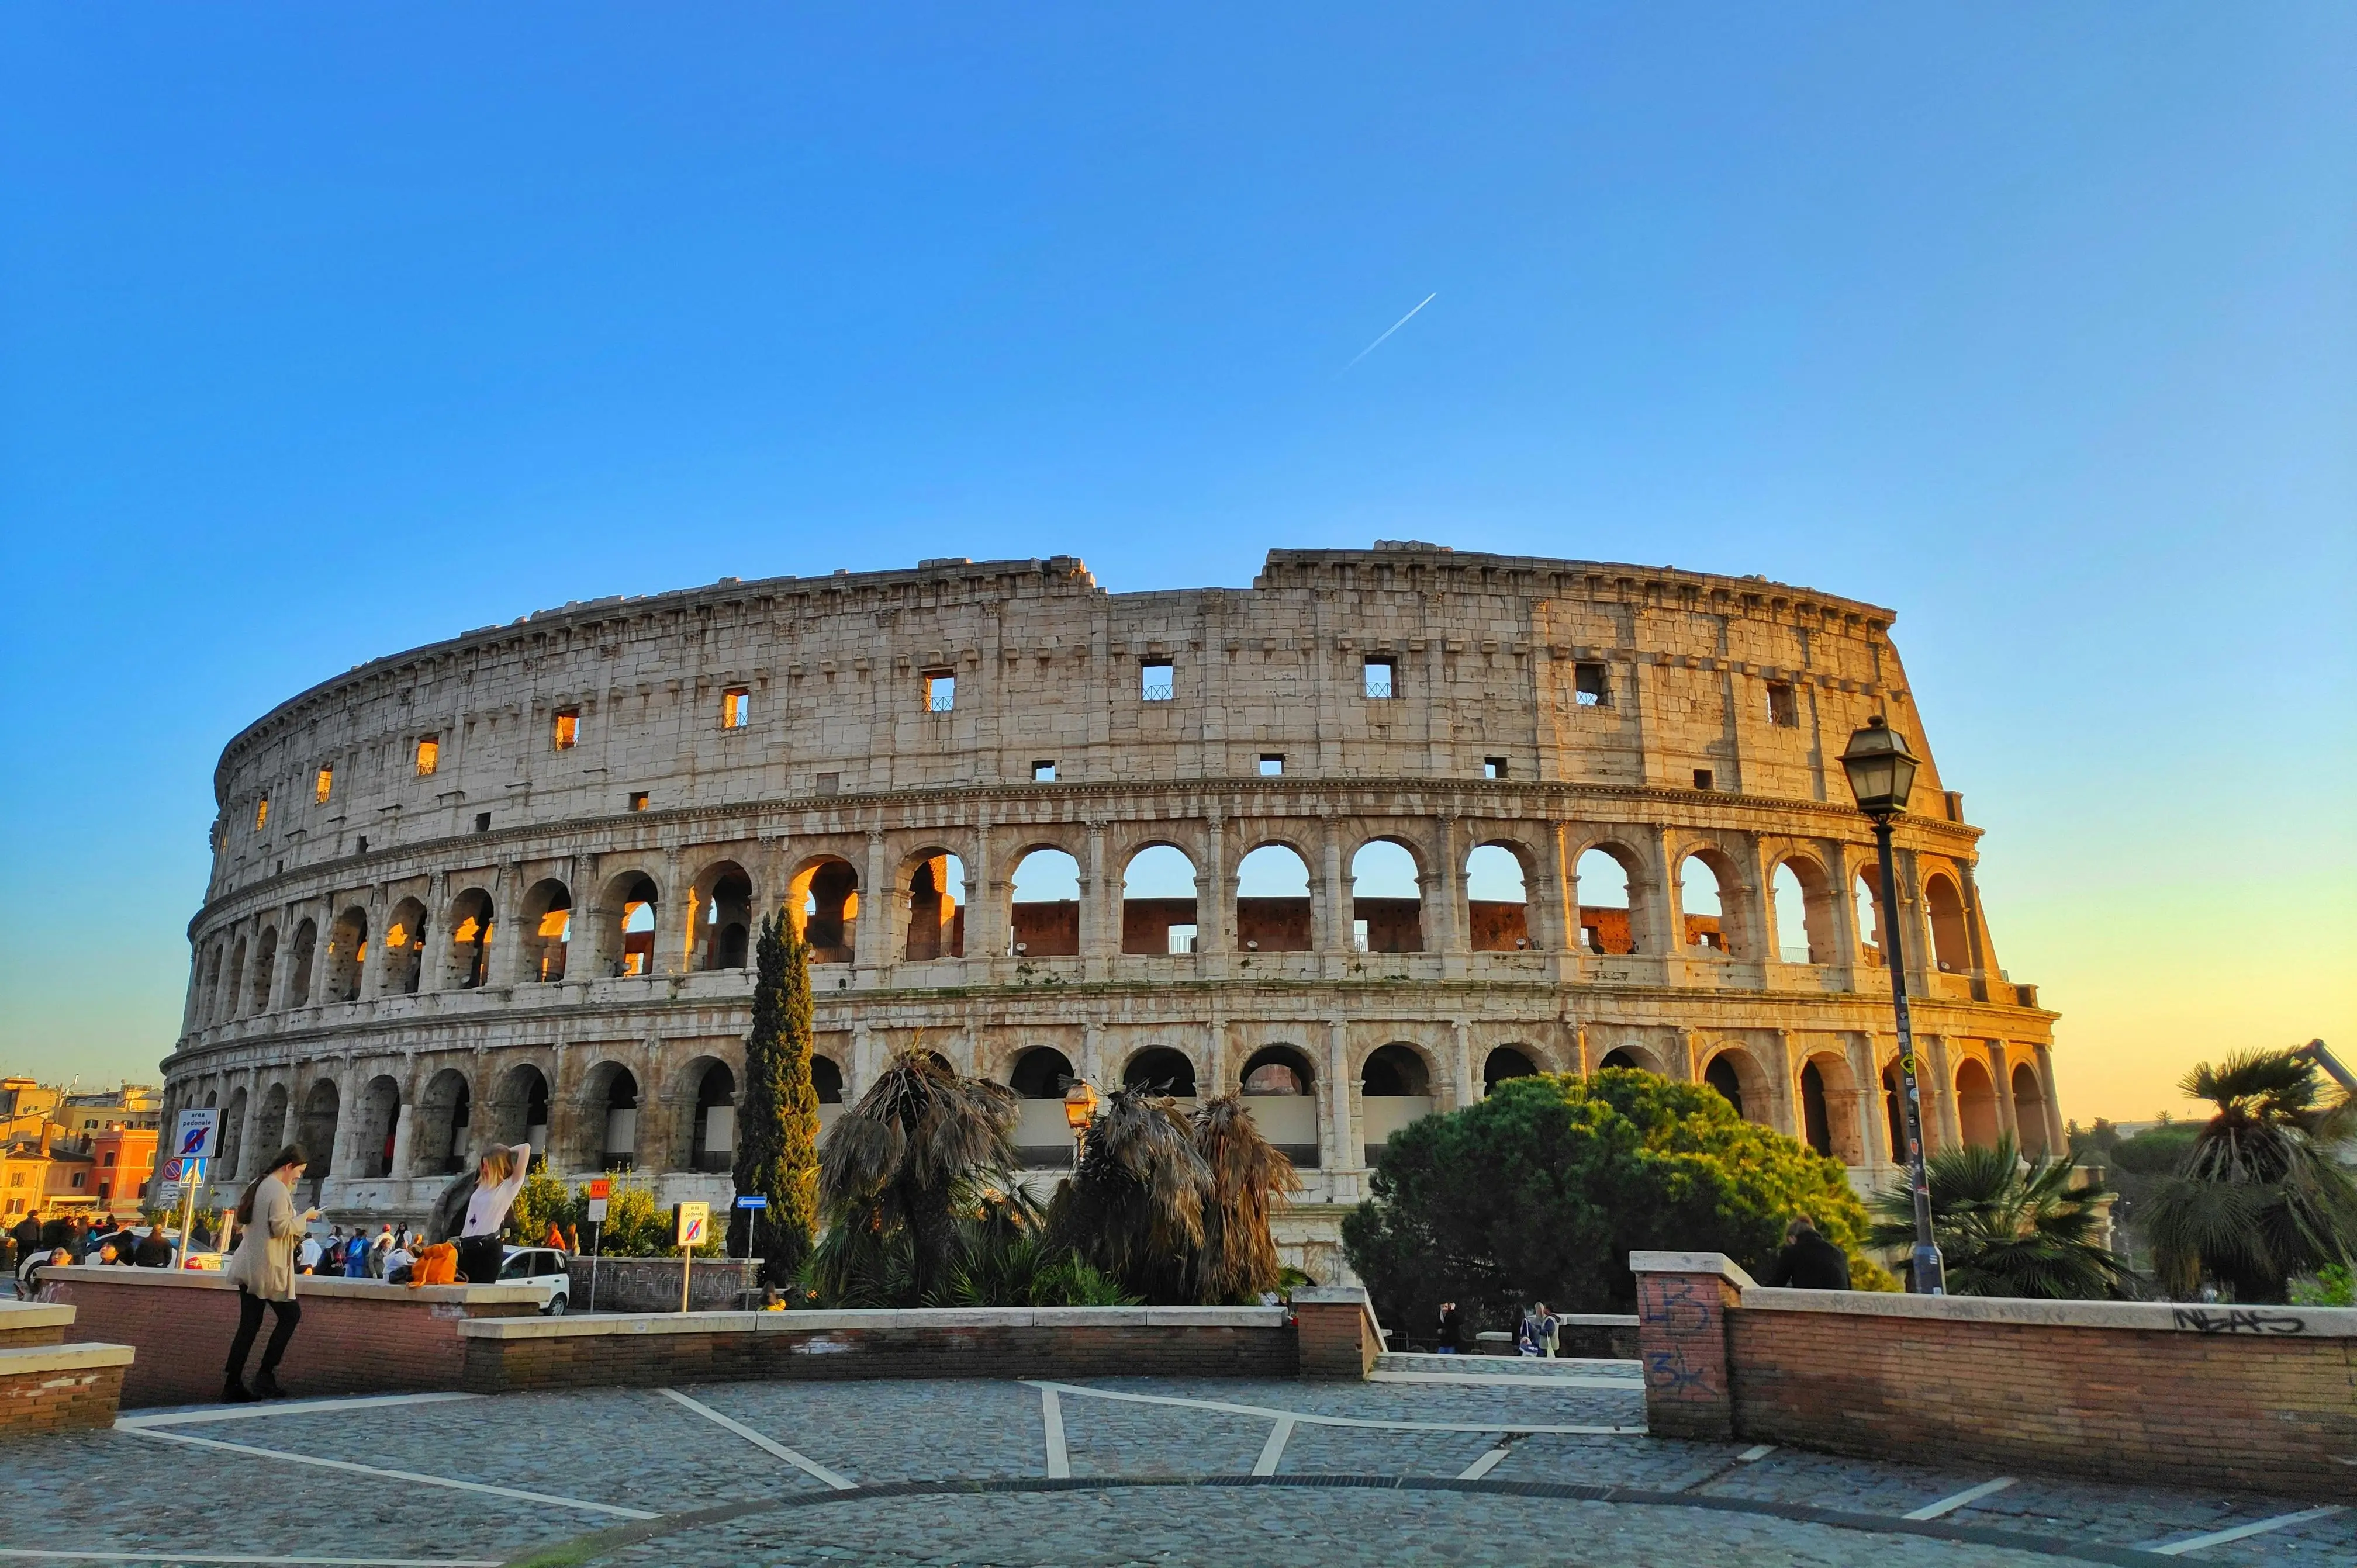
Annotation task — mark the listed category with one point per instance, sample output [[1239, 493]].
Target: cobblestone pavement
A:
[[1111, 1471]]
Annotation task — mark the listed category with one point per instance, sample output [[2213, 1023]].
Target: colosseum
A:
[[1361, 840]]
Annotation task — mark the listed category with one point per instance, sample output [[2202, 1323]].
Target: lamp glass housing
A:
[[1881, 768]]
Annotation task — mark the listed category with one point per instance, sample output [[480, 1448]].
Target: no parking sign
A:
[[691, 1222]]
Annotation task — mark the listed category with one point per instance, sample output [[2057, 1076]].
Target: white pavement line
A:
[[1507, 1380], [1753, 1454], [2257, 1526], [293, 1407], [1051, 1417], [482, 1487], [26, 1554], [809, 1466], [1272, 1451], [1265, 1413], [1484, 1464], [1947, 1506]]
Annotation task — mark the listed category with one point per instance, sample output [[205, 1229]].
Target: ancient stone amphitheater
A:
[[1363, 839]]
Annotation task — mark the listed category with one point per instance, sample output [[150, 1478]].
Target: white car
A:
[[543, 1268]]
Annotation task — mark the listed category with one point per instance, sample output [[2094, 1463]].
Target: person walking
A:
[[263, 1269], [28, 1236], [1550, 1332], [1452, 1329], [499, 1176], [1809, 1261]]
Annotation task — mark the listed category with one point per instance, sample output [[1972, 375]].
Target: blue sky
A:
[[327, 332]]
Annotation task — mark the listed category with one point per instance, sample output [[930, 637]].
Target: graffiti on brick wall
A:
[[2238, 1320], [1672, 1307]]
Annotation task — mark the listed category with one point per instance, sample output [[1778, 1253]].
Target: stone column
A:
[[404, 1127], [2008, 1114], [2058, 1136], [1456, 922], [1341, 1156], [432, 942], [1664, 934], [1100, 912], [1841, 870], [1942, 1085], [670, 919], [1334, 901], [1873, 1135], [1469, 1081], [1783, 1114], [372, 962], [887, 936], [1215, 893]]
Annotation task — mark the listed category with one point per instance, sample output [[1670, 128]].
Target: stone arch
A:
[[822, 901], [1157, 901], [1976, 1118], [232, 1135], [1043, 1138], [1636, 1057], [1280, 1090], [2029, 1112], [1387, 896], [1041, 1072], [1952, 948], [346, 951], [468, 964], [299, 984], [708, 1090], [1043, 893], [1497, 877], [270, 1127], [1709, 898], [405, 949], [1515, 1060], [265, 965], [234, 992], [1163, 1070], [379, 1124], [1802, 908], [322, 1110], [443, 1138], [1828, 1116], [609, 1108], [625, 916], [1278, 1070], [935, 882], [520, 1111], [719, 917], [826, 1080], [546, 932], [1740, 1080], [1273, 903], [1395, 1088], [1601, 871]]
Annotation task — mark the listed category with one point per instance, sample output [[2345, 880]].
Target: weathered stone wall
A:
[[1546, 707]]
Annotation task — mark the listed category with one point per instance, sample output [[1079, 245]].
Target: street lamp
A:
[[1080, 1103], [1882, 775]]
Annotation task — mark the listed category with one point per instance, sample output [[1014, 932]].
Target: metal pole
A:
[[1930, 1270], [686, 1262]]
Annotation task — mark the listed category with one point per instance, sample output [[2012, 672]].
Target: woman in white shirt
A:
[[496, 1181]]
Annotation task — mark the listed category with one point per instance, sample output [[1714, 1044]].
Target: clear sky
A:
[[327, 331]]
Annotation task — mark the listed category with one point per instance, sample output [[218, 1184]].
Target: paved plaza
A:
[[1476, 1461]]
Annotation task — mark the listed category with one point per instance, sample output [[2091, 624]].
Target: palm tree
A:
[[924, 1148], [1135, 1207], [1238, 1257], [2008, 1230], [2259, 1197]]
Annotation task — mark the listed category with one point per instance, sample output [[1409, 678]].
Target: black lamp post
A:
[[1882, 775]]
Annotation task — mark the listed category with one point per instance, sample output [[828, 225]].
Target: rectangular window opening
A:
[[324, 785], [261, 813], [638, 800], [429, 754], [1783, 708], [1591, 686], [1493, 768], [736, 707], [1043, 773], [482, 822], [364, 848], [1271, 763], [1155, 680], [941, 691], [1182, 940], [1383, 678], [568, 728], [1703, 778], [827, 784]]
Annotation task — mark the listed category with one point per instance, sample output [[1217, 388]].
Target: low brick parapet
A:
[[1340, 1336], [60, 1388], [33, 1322]]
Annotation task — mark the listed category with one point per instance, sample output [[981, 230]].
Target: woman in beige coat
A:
[[263, 1269]]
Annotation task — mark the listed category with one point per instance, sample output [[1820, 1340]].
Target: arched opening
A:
[[937, 907], [1894, 1112], [1505, 1062], [1829, 1110], [405, 949], [1817, 1121], [1395, 1089], [719, 917], [626, 918], [1741, 1082], [209, 999], [1801, 903], [265, 963], [827, 1081], [1975, 1103], [1273, 901], [1157, 902], [1621, 1058], [613, 1106], [380, 1124], [1868, 898], [232, 1137], [299, 984], [1497, 899], [234, 992], [2028, 1111], [470, 941], [1721, 1076], [316, 1133], [1951, 948], [1386, 899], [1043, 1139], [825, 900], [1160, 1070], [713, 1139], [270, 1127], [1279, 1087], [346, 951], [1707, 886], [520, 1108], [445, 1114], [1047, 905], [547, 931], [1607, 919]]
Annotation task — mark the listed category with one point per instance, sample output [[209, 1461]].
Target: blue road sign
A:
[[753, 1200]]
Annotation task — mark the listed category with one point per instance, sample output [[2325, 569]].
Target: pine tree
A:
[[777, 1134]]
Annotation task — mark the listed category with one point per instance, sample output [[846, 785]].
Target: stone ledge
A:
[[306, 1286], [2196, 1318], [1717, 1263], [886, 1319], [16, 1316], [28, 1360]]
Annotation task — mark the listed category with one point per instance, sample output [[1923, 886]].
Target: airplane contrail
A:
[[1395, 326]]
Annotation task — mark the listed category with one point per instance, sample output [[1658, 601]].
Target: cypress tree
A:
[[777, 1131]]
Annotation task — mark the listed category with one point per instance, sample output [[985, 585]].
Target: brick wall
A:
[[2263, 1399], [1338, 1333], [36, 1395], [33, 1323], [357, 1335], [651, 1284]]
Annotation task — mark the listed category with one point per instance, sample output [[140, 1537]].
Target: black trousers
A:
[[249, 1323], [479, 1260]]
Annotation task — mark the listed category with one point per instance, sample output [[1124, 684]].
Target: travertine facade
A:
[[499, 886]]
